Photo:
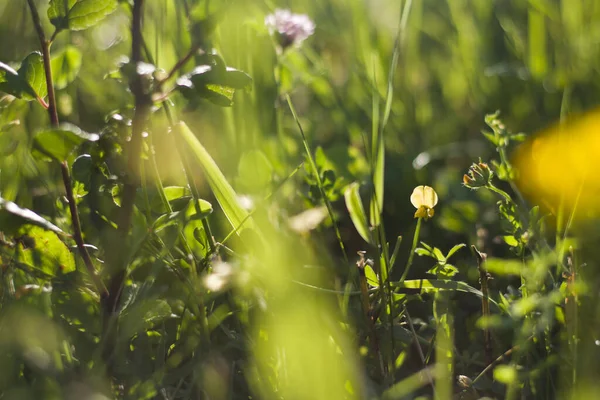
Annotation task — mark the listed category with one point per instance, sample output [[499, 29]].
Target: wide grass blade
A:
[[221, 188], [357, 212]]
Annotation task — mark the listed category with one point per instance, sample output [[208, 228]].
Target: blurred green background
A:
[[458, 60]]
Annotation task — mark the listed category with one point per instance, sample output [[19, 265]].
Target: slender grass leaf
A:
[[222, 190], [455, 249], [411, 384], [499, 266], [357, 212], [59, 143], [434, 285]]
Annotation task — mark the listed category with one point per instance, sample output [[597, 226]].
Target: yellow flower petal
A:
[[560, 162], [421, 212], [424, 196]]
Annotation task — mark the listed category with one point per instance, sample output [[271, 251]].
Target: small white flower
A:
[[289, 29], [219, 278]]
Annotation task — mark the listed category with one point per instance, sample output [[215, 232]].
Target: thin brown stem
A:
[[193, 51], [53, 113], [64, 168], [116, 268], [45, 46]]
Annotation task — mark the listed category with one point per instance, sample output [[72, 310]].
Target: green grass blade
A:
[[434, 285], [221, 188], [357, 212]]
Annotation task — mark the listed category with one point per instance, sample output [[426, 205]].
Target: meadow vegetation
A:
[[341, 199]]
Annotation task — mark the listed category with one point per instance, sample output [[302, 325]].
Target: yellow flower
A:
[[557, 166], [424, 198]]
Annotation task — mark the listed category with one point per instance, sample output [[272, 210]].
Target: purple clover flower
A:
[[289, 29]]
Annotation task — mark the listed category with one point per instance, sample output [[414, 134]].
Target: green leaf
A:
[[82, 169], [371, 276], [454, 250], [204, 209], [32, 72], [44, 251], [29, 82], [357, 212], [222, 190], [12, 217], [235, 79], [87, 13], [172, 193], [505, 374], [511, 241], [58, 11], [214, 82], [500, 266], [60, 142], [65, 66], [438, 255], [11, 82], [423, 252]]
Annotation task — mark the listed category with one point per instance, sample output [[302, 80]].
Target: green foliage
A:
[[65, 66], [214, 82], [357, 212], [40, 250], [29, 82], [226, 196], [121, 278], [77, 15], [59, 143], [13, 217]]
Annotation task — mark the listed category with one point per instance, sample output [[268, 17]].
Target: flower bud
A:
[[479, 175]]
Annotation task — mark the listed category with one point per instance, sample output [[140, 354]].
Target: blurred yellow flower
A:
[[558, 165], [424, 198]]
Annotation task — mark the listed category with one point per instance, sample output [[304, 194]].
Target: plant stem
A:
[[116, 267], [313, 165], [412, 250], [64, 167], [485, 303], [500, 192], [193, 50], [66, 176]]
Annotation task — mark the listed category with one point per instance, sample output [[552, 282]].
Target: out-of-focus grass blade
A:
[[409, 385], [377, 164], [222, 190], [444, 345], [538, 64], [434, 285], [357, 212]]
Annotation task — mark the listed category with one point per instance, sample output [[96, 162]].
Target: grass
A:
[[241, 227]]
